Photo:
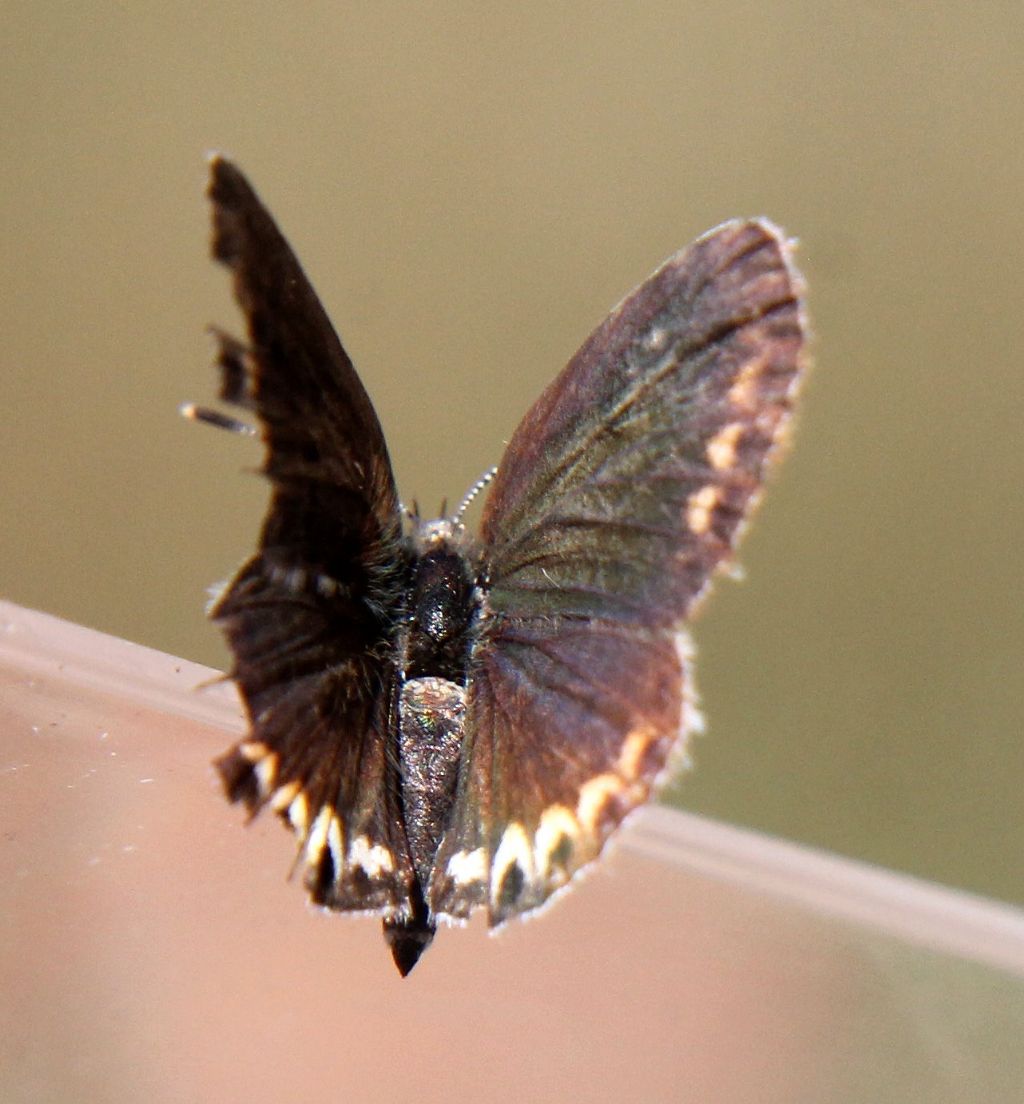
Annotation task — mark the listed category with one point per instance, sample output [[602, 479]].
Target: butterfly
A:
[[450, 721]]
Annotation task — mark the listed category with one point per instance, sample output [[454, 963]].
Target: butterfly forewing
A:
[[623, 487], [312, 616], [620, 493]]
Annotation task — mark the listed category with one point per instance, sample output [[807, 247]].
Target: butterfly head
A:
[[436, 531]]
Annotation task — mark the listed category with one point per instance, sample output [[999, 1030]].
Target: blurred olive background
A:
[[471, 187]]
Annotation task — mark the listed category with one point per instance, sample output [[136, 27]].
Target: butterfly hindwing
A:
[[569, 727], [312, 616], [621, 492]]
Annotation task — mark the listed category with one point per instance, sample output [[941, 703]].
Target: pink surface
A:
[[154, 950]]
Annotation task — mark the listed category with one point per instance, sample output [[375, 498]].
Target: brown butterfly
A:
[[450, 721]]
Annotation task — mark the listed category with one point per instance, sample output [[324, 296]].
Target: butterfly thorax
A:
[[443, 607]]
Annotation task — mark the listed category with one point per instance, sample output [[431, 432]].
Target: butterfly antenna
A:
[[216, 418], [473, 491]]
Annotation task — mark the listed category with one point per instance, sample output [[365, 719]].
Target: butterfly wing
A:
[[621, 492], [310, 617]]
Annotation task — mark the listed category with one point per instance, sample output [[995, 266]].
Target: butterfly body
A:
[[451, 722], [434, 654]]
